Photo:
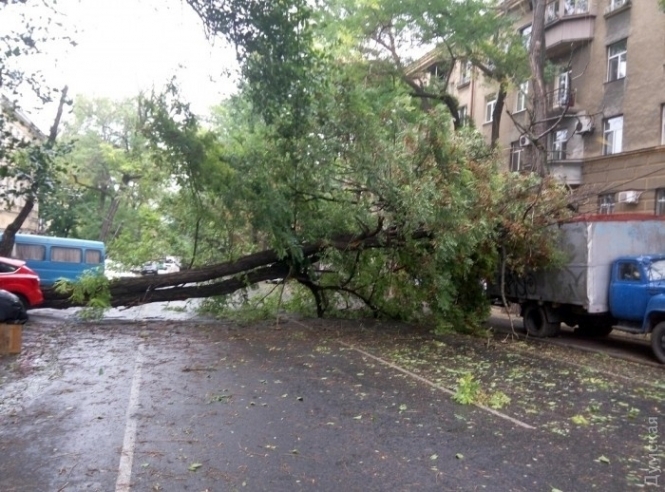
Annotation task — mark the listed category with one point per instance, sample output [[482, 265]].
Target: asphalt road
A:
[[182, 406], [620, 345]]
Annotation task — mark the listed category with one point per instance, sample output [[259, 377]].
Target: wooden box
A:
[[10, 339]]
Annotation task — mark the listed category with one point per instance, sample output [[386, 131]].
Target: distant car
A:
[[159, 267], [150, 268], [23, 282]]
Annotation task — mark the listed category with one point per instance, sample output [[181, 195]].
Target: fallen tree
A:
[[229, 277]]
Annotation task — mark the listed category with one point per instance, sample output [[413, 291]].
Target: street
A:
[[305, 405]]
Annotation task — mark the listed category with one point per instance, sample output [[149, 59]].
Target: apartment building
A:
[[606, 100], [22, 128]]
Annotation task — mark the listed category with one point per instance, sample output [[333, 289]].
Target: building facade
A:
[[18, 125], [605, 99]]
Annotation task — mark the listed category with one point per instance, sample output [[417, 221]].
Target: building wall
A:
[[21, 126], [638, 97]]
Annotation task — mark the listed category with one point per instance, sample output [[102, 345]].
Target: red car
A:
[[21, 281]]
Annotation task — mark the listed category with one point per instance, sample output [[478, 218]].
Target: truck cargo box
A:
[[590, 244]]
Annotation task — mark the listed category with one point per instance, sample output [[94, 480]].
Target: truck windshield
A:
[[656, 270]]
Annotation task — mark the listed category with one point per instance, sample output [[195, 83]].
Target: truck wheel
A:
[[658, 342], [536, 324]]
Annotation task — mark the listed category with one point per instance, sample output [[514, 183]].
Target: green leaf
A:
[[603, 459], [459, 456], [194, 466]]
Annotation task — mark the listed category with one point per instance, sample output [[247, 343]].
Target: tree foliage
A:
[[373, 198], [28, 159], [324, 169]]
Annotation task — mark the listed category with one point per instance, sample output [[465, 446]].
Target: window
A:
[[66, 255], [490, 104], [438, 73], [557, 147], [562, 91], [93, 257], [606, 204], [616, 60], [629, 271], [465, 72], [526, 36], [552, 12], [522, 94], [6, 268], [662, 125], [516, 155], [463, 114], [573, 7], [615, 4], [660, 201], [613, 135], [30, 252]]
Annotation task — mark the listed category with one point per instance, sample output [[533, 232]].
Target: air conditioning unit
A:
[[525, 140], [584, 124], [631, 196]]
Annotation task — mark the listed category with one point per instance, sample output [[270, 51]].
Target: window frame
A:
[[615, 4], [552, 11], [465, 73], [611, 144], [522, 96], [572, 7], [516, 153], [557, 145], [525, 33], [562, 89], [662, 124], [463, 115], [659, 201], [490, 101], [606, 203], [617, 63]]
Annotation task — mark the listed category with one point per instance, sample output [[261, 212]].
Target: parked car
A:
[[12, 309], [150, 268], [20, 280], [159, 267]]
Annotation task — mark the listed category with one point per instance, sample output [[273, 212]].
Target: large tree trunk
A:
[[233, 275], [496, 115], [537, 63]]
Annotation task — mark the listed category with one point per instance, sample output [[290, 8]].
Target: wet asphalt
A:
[[190, 406]]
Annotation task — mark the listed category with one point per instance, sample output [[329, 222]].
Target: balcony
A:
[[568, 25]]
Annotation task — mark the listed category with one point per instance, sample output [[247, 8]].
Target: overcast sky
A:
[[125, 46]]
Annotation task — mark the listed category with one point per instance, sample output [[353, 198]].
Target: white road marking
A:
[[434, 385], [123, 483]]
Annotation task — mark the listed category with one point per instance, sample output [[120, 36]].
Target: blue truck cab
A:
[[637, 297]]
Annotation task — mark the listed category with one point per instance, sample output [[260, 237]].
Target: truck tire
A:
[[658, 342], [536, 324]]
